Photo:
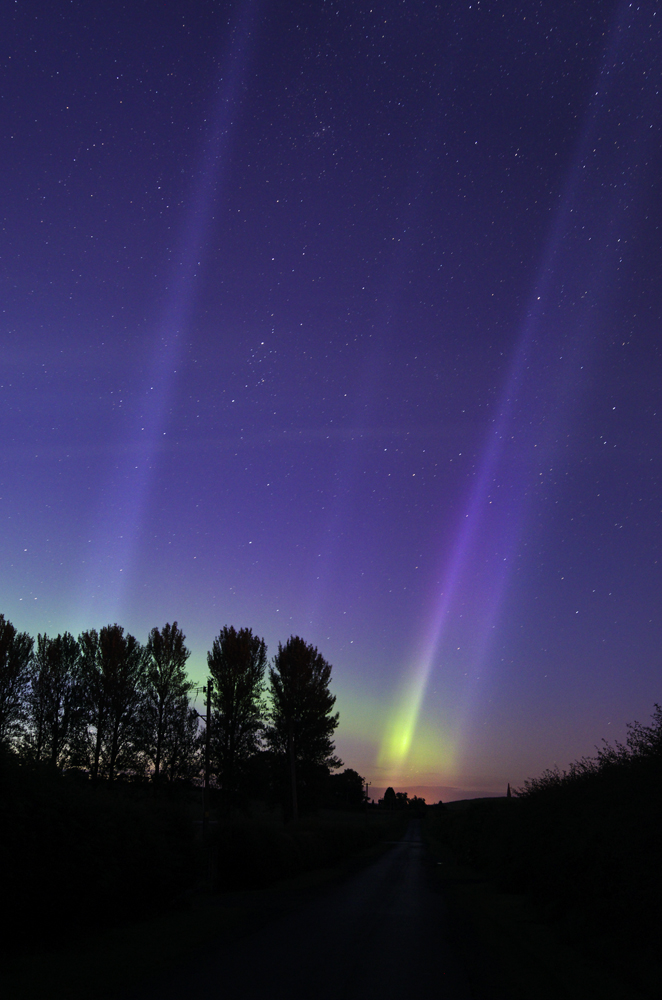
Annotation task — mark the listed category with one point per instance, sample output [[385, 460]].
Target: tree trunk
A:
[[293, 776], [159, 743], [97, 752]]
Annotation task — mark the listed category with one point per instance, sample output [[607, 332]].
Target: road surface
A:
[[382, 933]]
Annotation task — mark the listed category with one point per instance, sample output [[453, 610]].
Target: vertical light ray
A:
[[369, 373], [528, 363], [125, 496]]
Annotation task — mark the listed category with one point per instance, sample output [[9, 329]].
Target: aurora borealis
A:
[[344, 320]]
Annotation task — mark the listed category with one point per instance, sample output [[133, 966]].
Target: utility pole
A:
[[207, 690], [293, 775]]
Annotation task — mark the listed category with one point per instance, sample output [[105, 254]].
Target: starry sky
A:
[[342, 319]]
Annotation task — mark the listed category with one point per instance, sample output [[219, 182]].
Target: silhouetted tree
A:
[[237, 662], [642, 742], [112, 674], [389, 801], [416, 805], [53, 698], [346, 789], [166, 722], [181, 745], [301, 720], [15, 656]]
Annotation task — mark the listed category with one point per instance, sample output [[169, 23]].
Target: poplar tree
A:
[[53, 699], [169, 728], [302, 722], [237, 662], [112, 675], [15, 658]]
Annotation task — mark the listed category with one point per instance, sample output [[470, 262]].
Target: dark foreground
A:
[[382, 933]]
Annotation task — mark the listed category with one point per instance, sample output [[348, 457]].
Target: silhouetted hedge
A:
[[585, 845], [79, 857], [251, 854]]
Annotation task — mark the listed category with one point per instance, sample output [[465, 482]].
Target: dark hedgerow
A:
[[77, 857], [252, 854], [585, 846]]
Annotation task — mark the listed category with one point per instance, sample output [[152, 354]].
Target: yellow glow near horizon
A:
[[397, 739], [410, 743], [395, 743], [413, 744], [403, 719]]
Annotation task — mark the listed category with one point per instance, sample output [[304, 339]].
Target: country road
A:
[[382, 933]]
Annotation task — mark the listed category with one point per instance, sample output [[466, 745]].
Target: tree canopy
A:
[[301, 721], [53, 700], [165, 708], [108, 706], [112, 665], [237, 662], [15, 656]]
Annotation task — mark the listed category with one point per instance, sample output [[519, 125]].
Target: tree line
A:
[[111, 707], [583, 846], [400, 800]]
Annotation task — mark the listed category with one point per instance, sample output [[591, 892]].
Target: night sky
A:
[[343, 320]]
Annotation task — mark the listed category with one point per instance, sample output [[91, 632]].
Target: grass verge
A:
[[510, 951], [105, 963]]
